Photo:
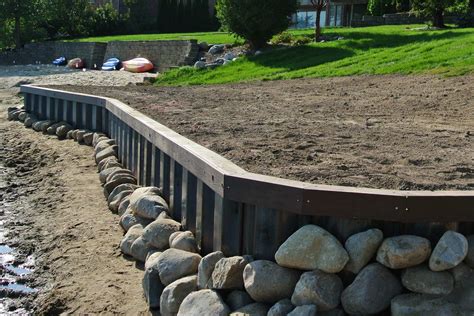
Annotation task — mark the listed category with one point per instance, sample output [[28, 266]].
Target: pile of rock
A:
[[312, 272], [214, 56]]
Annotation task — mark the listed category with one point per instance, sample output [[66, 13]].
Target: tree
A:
[[255, 21], [433, 8], [318, 5], [16, 11]]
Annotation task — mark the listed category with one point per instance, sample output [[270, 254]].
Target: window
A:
[[307, 19]]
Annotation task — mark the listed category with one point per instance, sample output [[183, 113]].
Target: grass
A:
[[370, 50], [210, 37]]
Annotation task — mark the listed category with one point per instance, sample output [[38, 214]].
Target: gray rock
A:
[[127, 220], [109, 162], [361, 248], [469, 260], [158, 232], [174, 294], [267, 282], [333, 312], [95, 138], [62, 131], [237, 299], [69, 134], [149, 206], [199, 65], [174, 264], [281, 308], [139, 249], [99, 139], [462, 274], [117, 199], [227, 274], [184, 241], [103, 144], [372, 290], [44, 126], [419, 304], [80, 135], [216, 49], [203, 302], [119, 173], [103, 175], [311, 247], [87, 138], [254, 309], [304, 310], [449, 252], [132, 234], [110, 151], [123, 206], [206, 267], [229, 56], [403, 251], [30, 120], [111, 185], [421, 279], [152, 286], [22, 116], [119, 189], [173, 236], [51, 130], [144, 191], [318, 288], [152, 258], [74, 134]]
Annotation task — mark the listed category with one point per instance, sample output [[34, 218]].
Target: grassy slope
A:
[[211, 37], [371, 50]]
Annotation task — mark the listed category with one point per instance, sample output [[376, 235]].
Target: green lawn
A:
[[371, 50], [210, 37]]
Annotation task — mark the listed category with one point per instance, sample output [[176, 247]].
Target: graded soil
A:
[[390, 132]]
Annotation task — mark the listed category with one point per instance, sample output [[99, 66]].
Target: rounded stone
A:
[[158, 232], [304, 310], [203, 302], [228, 273], [184, 241], [174, 294], [110, 151], [206, 267], [421, 279], [311, 247], [361, 248], [254, 309], [267, 282], [421, 304], [139, 249], [371, 291], [450, 251], [149, 206], [403, 251], [123, 205], [132, 234], [174, 264], [111, 185], [281, 308], [237, 299], [318, 288]]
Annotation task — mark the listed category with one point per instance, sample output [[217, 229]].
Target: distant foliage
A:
[[291, 39], [436, 9], [256, 21], [107, 21], [381, 7]]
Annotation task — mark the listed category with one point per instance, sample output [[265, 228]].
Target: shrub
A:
[[256, 21], [380, 7], [106, 20], [290, 39]]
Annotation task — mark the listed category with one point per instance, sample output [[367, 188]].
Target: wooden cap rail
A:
[[235, 184]]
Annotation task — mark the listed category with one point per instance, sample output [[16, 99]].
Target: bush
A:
[[380, 7], [290, 39], [256, 21], [106, 21]]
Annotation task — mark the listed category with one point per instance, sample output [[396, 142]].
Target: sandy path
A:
[[67, 225]]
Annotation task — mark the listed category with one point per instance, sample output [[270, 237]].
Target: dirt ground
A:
[[61, 219], [393, 132]]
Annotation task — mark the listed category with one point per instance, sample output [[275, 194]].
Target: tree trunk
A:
[[438, 19], [17, 31], [317, 31]]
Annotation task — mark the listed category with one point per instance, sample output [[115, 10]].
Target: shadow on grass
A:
[[311, 55]]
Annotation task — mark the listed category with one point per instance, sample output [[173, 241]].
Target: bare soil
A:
[[392, 132]]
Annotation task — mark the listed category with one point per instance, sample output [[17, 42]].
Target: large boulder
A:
[[87, 138], [110, 151], [152, 259], [421, 279], [139, 249], [184, 241], [111, 185], [372, 290], [174, 294], [51, 130], [174, 264], [311, 247], [152, 286], [103, 144], [103, 175], [206, 267], [62, 131], [203, 302], [143, 191], [237, 299], [254, 309], [124, 206], [361, 248], [95, 138], [304, 310], [109, 162], [420, 304], [132, 234], [116, 173], [281, 308], [403, 251], [318, 288], [267, 282], [227, 274], [149, 206], [128, 220], [158, 232], [216, 49], [449, 252]]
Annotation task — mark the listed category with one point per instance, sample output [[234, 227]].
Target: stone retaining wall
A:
[[163, 54]]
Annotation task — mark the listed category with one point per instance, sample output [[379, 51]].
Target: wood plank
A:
[[165, 175], [189, 202], [148, 163], [228, 222]]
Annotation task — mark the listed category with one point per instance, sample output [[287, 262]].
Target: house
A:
[[337, 13]]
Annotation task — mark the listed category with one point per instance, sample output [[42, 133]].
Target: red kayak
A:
[[138, 65]]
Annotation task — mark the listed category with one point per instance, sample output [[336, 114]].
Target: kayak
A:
[[111, 64], [61, 61], [138, 65], [76, 63]]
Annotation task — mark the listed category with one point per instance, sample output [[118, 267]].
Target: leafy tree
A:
[[381, 7], [256, 21], [437, 8], [16, 11], [106, 20], [319, 6], [67, 17]]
